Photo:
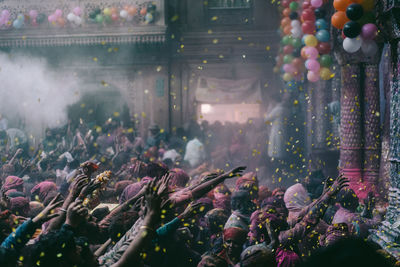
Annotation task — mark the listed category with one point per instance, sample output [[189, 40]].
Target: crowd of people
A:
[[103, 196]]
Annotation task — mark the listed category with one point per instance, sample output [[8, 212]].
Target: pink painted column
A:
[[350, 126]]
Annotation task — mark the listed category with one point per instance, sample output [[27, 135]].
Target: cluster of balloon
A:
[[110, 14], [289, 60], [36, 18], [357, 22], [150, 13], [96, 16], [75, 17], [5, 18], [18, 23], [56, 18], [317, 38], [128, 13]]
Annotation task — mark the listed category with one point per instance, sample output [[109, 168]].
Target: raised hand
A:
[[338, 185], [79, 183], [236, 171], [191, 210], [48, 213], [76, 213]]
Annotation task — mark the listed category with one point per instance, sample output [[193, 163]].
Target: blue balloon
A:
[[323, 36], [303, 39], [18, 23], [321, 24]]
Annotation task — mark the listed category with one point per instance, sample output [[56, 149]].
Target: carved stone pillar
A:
[[350, 126], [388, 234], [371, 124]]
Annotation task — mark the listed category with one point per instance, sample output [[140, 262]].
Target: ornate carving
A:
[[45, 34], [372, 133]]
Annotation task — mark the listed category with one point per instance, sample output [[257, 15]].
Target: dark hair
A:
[[52, 249], [347, 253], [239, 198], [100, 213], [8, 257], [348, 199]]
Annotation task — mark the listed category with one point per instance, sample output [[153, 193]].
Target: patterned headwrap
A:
[[236, 234], [42, 190], [12, 182]]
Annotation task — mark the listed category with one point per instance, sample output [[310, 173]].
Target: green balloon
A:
[[287, 59], [92, 15], [99, 18], [296, 42], [286, 40], [107, 19], [326, 61], [294, 6]]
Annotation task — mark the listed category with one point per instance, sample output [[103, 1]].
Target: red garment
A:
[[286, 258], [247, 180], [43, 189], [237, 234]]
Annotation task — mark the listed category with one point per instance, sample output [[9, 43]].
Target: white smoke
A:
[[33, 95]]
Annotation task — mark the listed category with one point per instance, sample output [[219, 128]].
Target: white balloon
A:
[[78, 20], [124, 14], [352, 45], [71, 17], [295, 23], [369, 47], [296, 32]]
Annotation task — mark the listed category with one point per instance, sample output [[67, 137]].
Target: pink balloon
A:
[[58, 13], [288, 68], [369, 31], [313, 76], [77, 11], [52, 18], [313, 65], [114, 17], [311, 52], [6, 14], [316, 3], [33, 14]]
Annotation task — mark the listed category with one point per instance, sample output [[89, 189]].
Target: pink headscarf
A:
[[43, 189], [286, 258], [248, 180], [296, 198], [179, 178], [12, 182], [132, 189]]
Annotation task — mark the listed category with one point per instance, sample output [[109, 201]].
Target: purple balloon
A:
[[369, 31], [77, 11], [52, 18], [288, 68]]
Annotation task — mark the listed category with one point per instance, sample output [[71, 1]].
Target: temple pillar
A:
[[350, 126], [388, 234], [371, 127]]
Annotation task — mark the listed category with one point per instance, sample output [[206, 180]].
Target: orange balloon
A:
[[339, 19], [285, 22], [114, 10], [303, 53], [341, 5], [61, 22], [297, 62], [132, 11], [287, 30], [286, 12], [143, 11]]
